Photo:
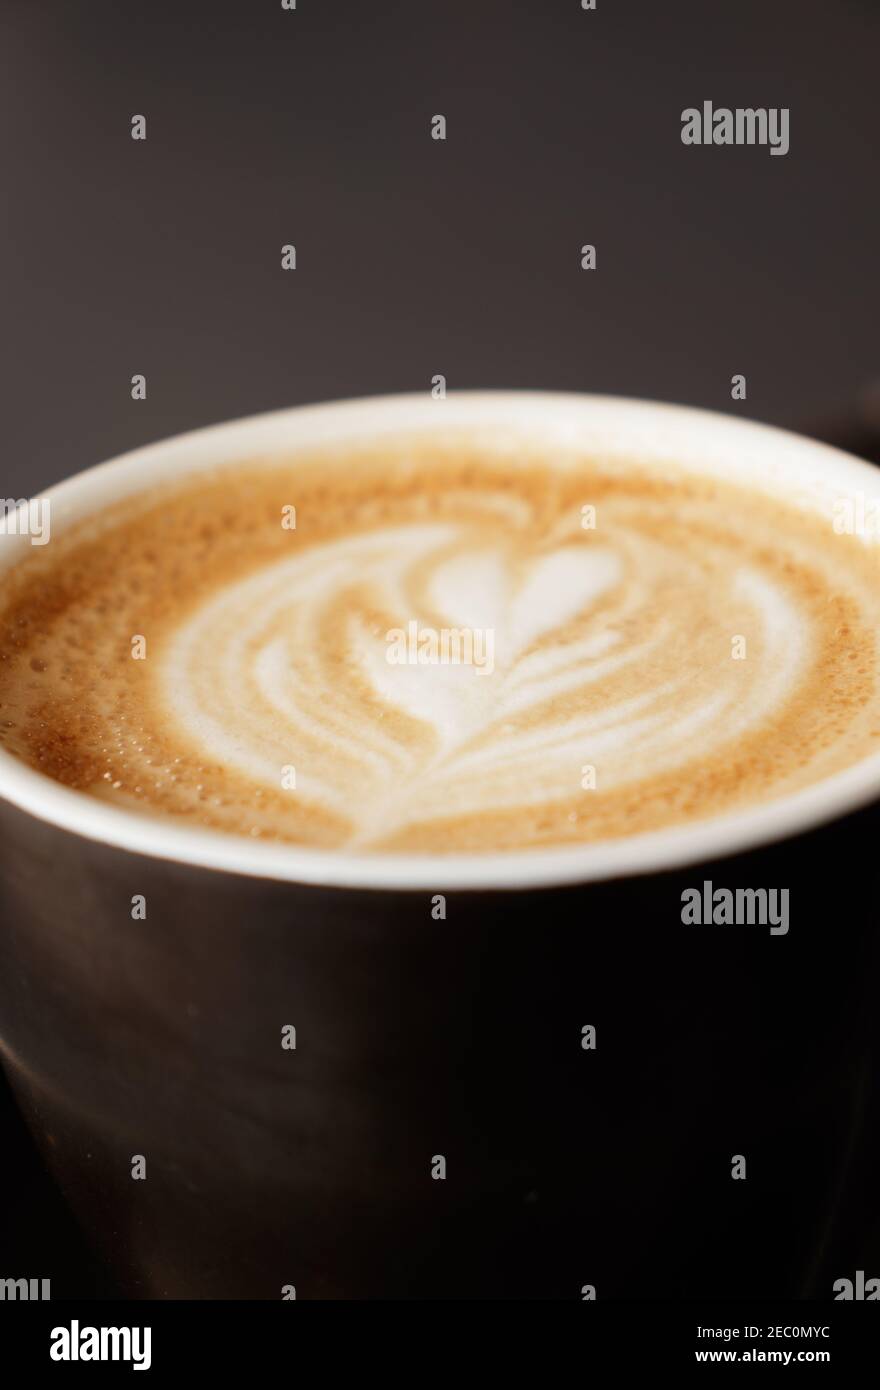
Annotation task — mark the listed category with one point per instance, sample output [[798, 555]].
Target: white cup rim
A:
[[764, 455]]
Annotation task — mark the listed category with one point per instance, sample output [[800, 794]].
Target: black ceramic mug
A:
[[514, 1076]]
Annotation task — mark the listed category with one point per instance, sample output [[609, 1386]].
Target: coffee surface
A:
[[626, 647]]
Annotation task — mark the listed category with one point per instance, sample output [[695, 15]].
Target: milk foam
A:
[[700, 648]]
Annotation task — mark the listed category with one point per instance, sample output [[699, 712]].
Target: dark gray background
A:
[[417, 257]]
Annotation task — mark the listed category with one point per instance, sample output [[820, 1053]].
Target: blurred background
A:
[[417, 257]]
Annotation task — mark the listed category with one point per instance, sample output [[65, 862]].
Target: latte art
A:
[[699, 648]]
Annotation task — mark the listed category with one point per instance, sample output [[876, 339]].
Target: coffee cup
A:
[[615, 1066]]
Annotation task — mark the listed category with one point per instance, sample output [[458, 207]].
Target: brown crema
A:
[[637, 647]]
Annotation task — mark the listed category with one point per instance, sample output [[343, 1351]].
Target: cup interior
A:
[[784, 466]]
